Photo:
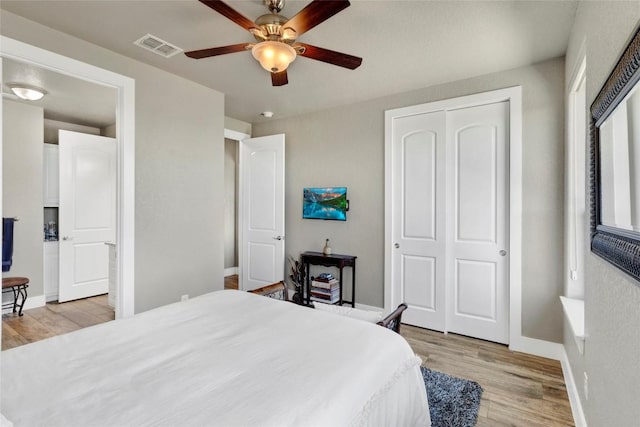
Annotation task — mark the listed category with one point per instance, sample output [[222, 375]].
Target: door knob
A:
[[278, 238], [396, 245], [502, 252], [67, 238]]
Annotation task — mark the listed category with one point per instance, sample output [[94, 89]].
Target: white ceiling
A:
[[405, 45], [68, 99]]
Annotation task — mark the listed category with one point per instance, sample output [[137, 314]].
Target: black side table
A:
[[338, 261]]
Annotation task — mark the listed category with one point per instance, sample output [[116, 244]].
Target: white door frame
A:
[[237, 136], [125, 136], [514, 96]]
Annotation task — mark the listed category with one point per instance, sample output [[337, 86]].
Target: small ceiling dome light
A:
[[274, 56], [27, 92], [267, 114]]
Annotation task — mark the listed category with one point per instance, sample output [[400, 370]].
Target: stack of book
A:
[[325, 288]]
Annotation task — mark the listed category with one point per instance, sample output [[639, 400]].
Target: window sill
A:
[[574, 312]]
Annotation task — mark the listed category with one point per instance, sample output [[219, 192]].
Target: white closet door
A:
[[419, 218], [477, 191], [449, 189]]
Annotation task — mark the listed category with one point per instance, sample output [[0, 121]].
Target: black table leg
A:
[[353, 285], [23, 292]]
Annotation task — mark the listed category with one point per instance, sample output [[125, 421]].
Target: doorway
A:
[[259, 203], [452, 171], [125, 137], [231, 213], [68, 127]]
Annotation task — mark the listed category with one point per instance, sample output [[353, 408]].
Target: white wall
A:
[[22, 154], [611, 356], [179, 169], [345, 147]]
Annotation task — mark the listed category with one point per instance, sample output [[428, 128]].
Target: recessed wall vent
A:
[[157, 45]]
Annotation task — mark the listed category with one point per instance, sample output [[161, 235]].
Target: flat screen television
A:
[[325, 203]]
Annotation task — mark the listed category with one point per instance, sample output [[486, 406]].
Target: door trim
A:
[[125, 136], [514, 96], [238, 137]]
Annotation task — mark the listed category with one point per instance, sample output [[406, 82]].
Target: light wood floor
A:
[[231, 282], [54, 319], [519, 389]]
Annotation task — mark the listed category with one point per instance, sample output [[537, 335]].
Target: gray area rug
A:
[[453, 402]]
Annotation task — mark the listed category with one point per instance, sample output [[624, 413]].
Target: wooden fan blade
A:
[[230, 13], [315, 13], [280, 78], [330, 56], [215, 51]]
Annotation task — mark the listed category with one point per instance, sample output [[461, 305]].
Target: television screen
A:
[[325, 203]]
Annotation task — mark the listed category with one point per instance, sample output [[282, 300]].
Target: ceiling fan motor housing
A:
[[271, 25], [275, 6]]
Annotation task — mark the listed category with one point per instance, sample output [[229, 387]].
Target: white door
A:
[[477, 189], [419, 226], [450, 219], [87, 213], [261, 211]]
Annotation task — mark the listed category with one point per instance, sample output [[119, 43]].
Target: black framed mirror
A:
[[615, 164]]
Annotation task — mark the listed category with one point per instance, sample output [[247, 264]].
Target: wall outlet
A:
[[585, 385], [184, 297], [574, 275]]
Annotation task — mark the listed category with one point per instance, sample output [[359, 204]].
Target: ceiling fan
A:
[[276, 36]]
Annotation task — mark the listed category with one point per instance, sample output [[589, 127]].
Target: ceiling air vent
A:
[[157, 45]]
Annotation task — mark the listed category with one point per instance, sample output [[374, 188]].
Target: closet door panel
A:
[[419, 218], [419, 163], [477, 251], [476, 184]]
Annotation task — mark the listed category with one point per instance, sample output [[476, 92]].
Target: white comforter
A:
[[228, 358]]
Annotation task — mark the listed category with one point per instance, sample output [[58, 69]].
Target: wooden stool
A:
[[17, 285]]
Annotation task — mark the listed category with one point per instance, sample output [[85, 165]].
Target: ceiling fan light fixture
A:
[[274, 56], [27, 92]]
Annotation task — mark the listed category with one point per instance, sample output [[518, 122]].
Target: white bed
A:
[[227, 358]]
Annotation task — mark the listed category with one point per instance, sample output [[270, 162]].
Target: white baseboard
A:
[[550, 350], [32, 302], [368, 307], [230, 271], [572, 390]]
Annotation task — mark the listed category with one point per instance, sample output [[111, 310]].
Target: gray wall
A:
[[612, 299], [52, 127], [22, 154], [345, 146], [237, 125], [179, 169], [230, 203]]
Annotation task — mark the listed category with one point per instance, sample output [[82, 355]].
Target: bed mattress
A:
[[227, 358]]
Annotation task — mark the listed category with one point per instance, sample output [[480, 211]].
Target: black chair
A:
[[392, 321], [275, 290]]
